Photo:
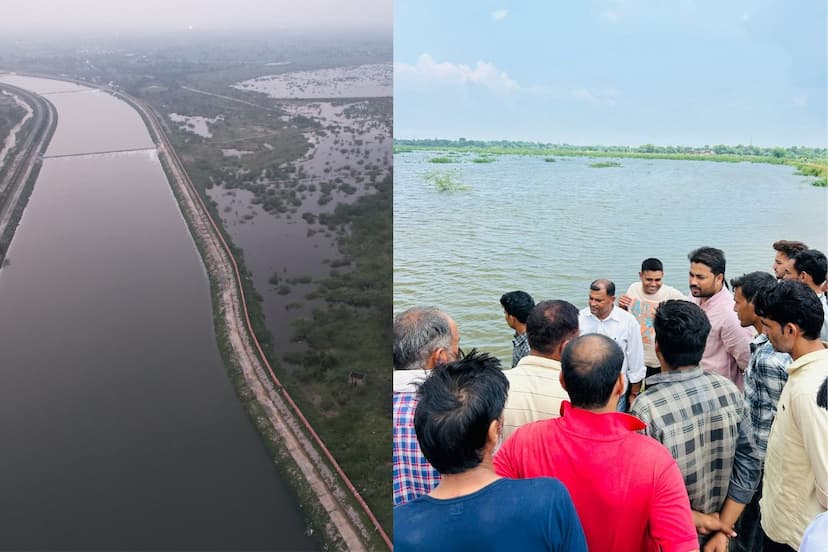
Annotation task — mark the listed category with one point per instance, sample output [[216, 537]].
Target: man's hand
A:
[[710, 523], [717, 543], [625, 301]]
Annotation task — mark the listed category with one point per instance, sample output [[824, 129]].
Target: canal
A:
[[120, 428]]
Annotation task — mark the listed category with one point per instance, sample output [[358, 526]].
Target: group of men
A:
[[725, 445]]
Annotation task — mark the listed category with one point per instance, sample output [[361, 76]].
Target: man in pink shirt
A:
[[727, 350], [627, 488]]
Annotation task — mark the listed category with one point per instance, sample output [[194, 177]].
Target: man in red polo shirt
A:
[[627, 489]]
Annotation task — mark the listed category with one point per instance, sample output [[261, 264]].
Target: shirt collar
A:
[[615, 314], [539, 361], [603, 424], [674, 375], [822, 354], [758, 341], [406, 381]]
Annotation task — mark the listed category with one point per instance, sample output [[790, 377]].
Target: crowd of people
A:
[[656, 421]]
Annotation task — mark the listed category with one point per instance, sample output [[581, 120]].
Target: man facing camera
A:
[[459, 422]]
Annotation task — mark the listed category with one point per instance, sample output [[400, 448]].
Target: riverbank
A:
[[22, 163], [808, 162]]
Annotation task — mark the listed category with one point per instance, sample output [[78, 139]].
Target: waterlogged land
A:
[[302, 188], [550, 228], [809, 162]]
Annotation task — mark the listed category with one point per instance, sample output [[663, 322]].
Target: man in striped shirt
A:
[[535, 390]]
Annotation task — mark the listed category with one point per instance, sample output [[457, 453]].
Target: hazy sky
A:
[[624, 72], [86, 15]]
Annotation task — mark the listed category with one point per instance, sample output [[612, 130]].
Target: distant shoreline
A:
[[810, 162]]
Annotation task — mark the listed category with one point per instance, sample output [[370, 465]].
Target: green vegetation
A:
[[794, 156], [818, 171], [605, 164], [446, 181], [550, 159], [442, 160], [484, 159]]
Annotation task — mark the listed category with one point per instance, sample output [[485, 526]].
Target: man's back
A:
[[703, 420], [505, 515], [626, 487], [412, 474], [535, 392]]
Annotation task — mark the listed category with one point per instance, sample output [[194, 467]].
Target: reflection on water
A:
[[120, 427], [551, 228]]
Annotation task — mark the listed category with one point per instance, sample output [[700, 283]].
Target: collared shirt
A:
[[643, 308], [623, 328], [520, 347], [535, 392], [727, 350], [764, 380], [626, 487], [795, 486], [703, 420], [413, 475]]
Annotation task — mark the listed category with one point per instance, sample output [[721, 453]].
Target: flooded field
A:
[[362, 81]]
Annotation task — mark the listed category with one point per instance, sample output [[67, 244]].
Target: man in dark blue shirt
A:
[[459, 423]]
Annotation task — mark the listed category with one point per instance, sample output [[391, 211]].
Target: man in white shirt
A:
[[535, 389], [642, 299], [602, 317]]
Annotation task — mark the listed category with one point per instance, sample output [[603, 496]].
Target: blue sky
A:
[[614, 72]]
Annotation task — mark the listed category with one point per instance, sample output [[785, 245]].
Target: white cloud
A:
[[482, 74], [497, 15], [602, 96], [800, 100]]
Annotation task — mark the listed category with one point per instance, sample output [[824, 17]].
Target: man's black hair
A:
[[681, 330], [752, 283], [652, 264], [710, 257], [789, 248], [549, 323], [518, 304], [813, 263], [590, 366], [602, 284], [456, 404], [792, 301]]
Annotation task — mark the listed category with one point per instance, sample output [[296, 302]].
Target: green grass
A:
[[442, 160], [605, 164], [484, 159], [446, 181], [550, 159]]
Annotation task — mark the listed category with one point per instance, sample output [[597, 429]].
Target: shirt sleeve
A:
[[736, 340], [813, 423], [671, 521], [635, 352], [746, 464]]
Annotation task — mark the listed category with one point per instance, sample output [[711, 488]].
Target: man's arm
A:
[[813, 423], [736, 339], [727, 518], [635, 354]]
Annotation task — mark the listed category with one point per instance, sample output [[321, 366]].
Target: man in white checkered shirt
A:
[[702, 418]]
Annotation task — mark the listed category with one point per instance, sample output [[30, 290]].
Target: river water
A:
[[120, 428], [550, 228]]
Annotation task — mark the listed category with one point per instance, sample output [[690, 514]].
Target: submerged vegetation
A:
[[446, 181], [809, 161]]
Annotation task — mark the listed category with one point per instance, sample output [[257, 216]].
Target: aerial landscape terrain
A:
[[277, 147]]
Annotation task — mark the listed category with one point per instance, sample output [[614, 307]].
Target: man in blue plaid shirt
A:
[[703, 420], [423, 338], [764, 380]]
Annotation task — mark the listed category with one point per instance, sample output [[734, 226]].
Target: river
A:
[[119, 425], [550, 228]]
